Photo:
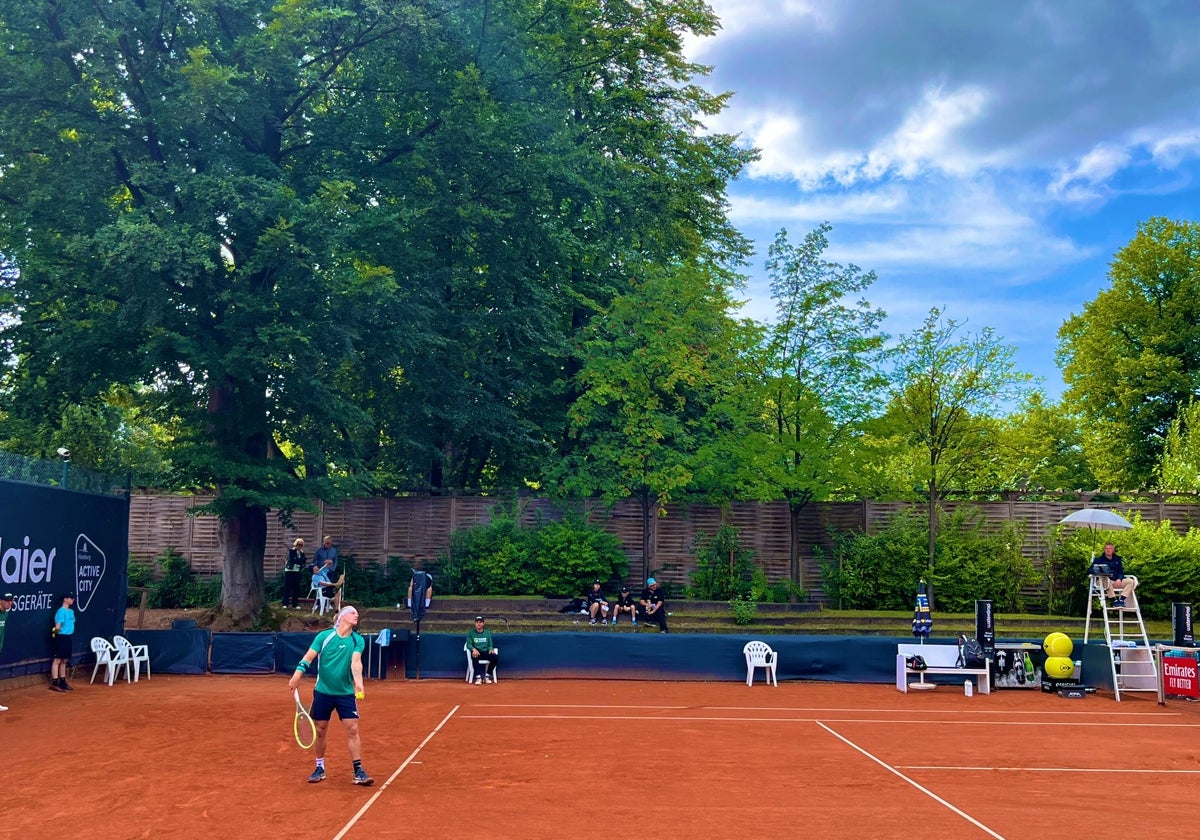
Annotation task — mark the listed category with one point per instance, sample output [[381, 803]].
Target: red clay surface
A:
[[213, 756]]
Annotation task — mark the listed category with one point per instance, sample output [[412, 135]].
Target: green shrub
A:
[[724, 569], [180, 588], [743, 611], [880, 571], [506, 558], [138, 574], [877, 571]]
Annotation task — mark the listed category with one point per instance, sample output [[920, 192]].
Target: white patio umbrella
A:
[[1095, 519]]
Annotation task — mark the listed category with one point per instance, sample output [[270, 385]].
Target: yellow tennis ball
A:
[[358, 695], [1058, 667], [1058, 644]]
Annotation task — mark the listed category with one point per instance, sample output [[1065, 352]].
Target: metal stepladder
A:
[[1130, 655]]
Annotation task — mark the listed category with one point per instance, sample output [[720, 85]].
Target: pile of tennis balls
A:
[[1058, 664]]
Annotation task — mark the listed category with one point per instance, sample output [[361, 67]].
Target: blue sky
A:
[[988, 158]]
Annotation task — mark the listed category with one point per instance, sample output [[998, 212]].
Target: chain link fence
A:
[[61, 473]]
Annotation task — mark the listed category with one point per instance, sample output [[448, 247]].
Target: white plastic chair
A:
[[471, 665], [136, 654], [111, 657], [321, 603], [760, 655]]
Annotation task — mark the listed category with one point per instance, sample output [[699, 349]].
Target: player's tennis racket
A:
[[303, 726]]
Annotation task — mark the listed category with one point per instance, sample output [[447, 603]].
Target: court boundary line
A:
[[1047, 769], [883, 721], [905, 710], [378, 793], [910, 781]]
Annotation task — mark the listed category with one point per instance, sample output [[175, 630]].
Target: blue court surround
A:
[[598, 654]]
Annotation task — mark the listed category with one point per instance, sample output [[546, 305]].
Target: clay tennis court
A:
[[202, 756]]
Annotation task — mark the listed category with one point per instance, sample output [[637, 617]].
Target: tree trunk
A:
[[933, 529], [796, 502], [243, 538], [645, 534]]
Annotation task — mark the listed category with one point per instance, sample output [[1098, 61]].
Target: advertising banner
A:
[[1179, 677], [54, 542], [985, 627], [1181, 624]]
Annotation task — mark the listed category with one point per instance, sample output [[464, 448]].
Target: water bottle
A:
[[968, 688]]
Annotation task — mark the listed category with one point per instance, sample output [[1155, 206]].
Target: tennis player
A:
[[339, 687]]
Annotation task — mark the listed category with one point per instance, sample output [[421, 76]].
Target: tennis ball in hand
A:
[[358, 695]]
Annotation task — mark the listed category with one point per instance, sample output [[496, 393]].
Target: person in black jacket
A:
[[652, 606], [292, 568]]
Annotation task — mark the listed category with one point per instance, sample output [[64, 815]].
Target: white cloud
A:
[[1095, 167], [1173, 149]]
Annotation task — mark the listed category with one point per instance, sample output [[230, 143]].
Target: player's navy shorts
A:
[[323, 706]]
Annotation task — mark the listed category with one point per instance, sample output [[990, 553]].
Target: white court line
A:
[[366, 805], [1041, 715], [921, 711], [923, 790], [1045, 769], [885, 721], [580, 706]]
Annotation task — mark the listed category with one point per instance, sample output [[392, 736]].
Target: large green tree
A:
[[948, 384], [1132, 357], [334, 242], [660, 364], [820, 372]]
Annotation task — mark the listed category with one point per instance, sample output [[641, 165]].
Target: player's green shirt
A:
[[3, 622], [335, 654]]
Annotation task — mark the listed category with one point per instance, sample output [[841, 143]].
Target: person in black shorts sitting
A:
[[625, 604], [652, 607]]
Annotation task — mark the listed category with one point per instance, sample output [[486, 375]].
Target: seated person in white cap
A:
[[652, 607], [483, 651]]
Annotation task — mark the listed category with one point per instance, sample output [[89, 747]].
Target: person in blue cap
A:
[[652, 607]]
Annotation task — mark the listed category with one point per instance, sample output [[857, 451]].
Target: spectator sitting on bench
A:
[[625, 604], [652, 607], [597, 604]]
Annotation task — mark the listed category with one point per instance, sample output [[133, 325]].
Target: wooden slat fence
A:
[[418, 529]]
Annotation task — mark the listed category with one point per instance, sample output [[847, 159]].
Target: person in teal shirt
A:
[[6, 602], [339, 688], [63, 636], [483, 651]]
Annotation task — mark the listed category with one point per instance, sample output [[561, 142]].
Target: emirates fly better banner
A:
[[53, 542], [1179, 677]]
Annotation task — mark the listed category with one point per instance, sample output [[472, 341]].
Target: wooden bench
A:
[[940, 659]]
